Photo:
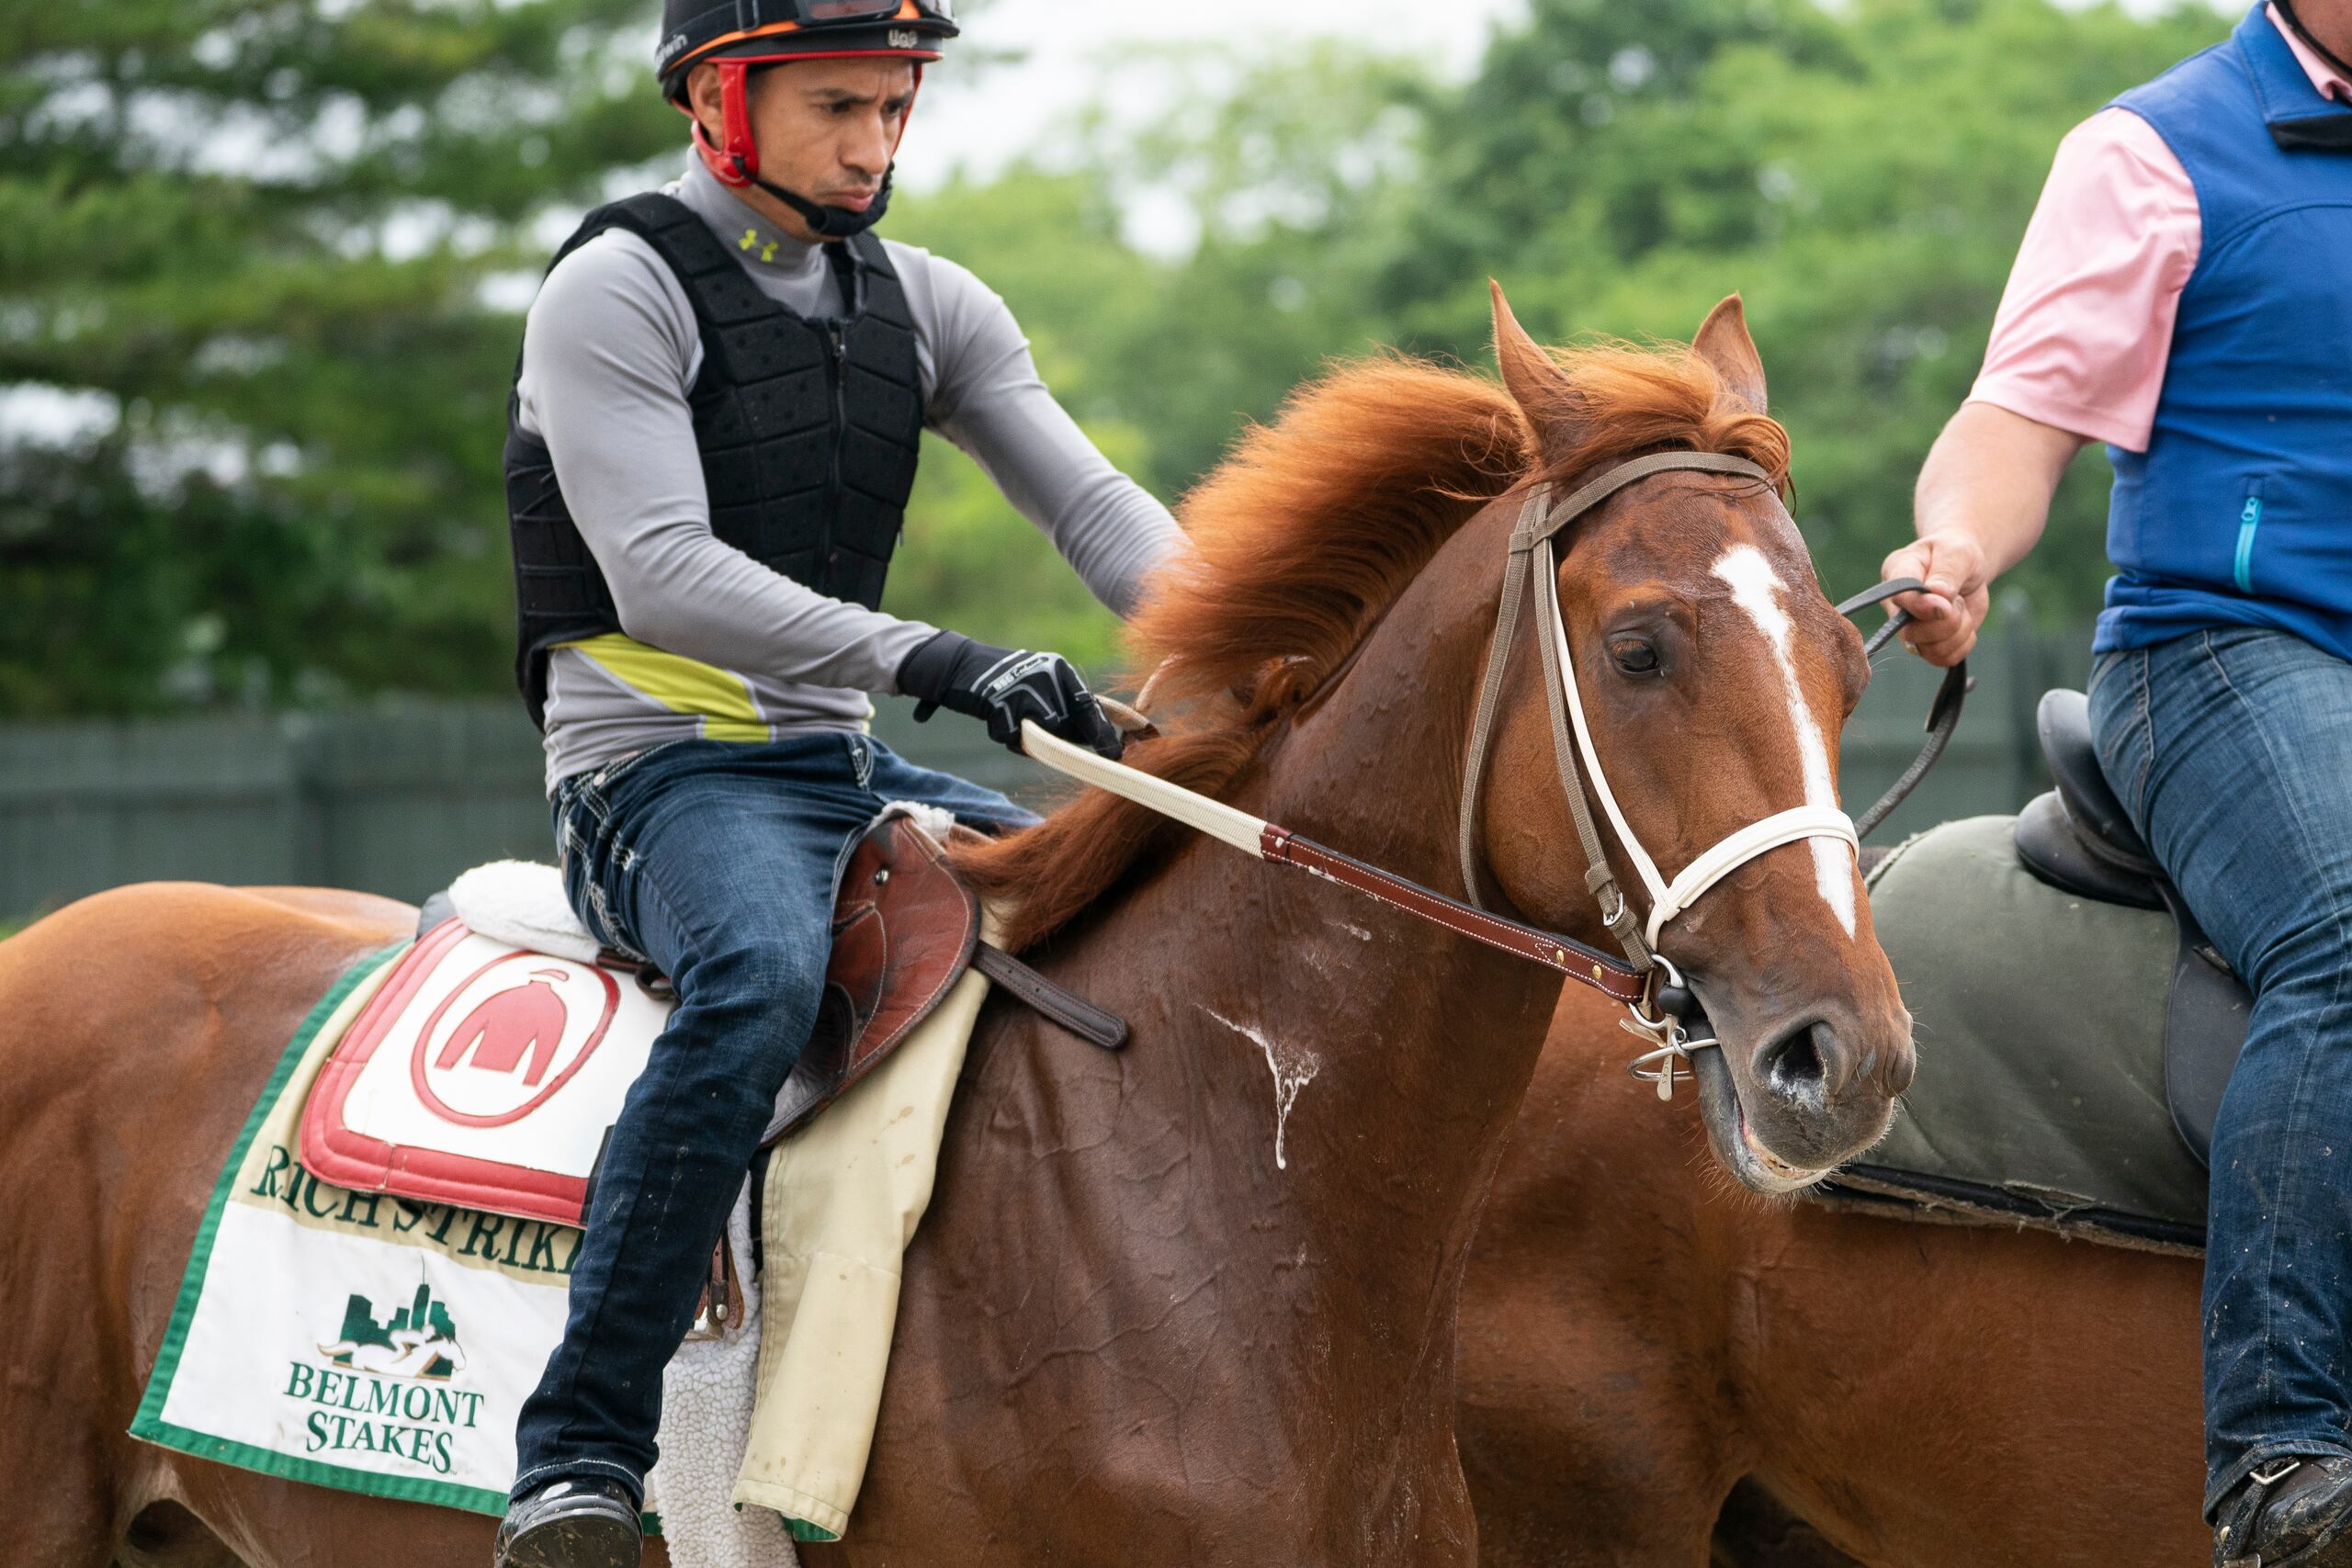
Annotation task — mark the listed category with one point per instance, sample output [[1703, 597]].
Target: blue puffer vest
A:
[[2239, 511]]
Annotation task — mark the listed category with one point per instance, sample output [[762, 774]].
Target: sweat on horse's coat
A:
[[1291, 1071]]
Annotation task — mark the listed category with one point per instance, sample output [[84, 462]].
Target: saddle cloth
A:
[[488, 1069], [385, 1346], [2040, 1017]]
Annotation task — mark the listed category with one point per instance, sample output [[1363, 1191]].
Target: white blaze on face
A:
[[1756, 589]]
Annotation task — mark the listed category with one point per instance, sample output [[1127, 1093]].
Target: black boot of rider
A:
[[571, 1524], [2293, 1513]]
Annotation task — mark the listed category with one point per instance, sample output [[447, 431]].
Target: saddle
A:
[[2087, 1108], [905, 929], [2077, 838]]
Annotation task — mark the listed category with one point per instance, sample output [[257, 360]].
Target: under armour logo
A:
[[750, 242]]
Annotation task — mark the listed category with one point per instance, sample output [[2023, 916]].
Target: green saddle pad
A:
[[2040, 1022]]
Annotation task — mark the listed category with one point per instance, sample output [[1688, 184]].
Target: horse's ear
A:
[[1535, 382], [1723, 342]]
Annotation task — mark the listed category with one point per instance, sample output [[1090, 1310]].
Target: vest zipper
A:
[[2249, 523]]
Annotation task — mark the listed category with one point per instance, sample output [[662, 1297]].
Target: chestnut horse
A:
[[1643, 1342], [1640, 1338], [1194, 1304]]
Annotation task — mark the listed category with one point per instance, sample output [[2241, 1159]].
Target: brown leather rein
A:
[[1640, 979]]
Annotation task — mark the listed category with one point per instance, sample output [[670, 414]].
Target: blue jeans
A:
[[718, 861], [2231, 750]]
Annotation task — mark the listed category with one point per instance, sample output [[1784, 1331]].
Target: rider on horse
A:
[[723, 391], [2182, 296]]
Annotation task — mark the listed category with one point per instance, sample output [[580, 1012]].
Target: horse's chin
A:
[[1757, 1168]]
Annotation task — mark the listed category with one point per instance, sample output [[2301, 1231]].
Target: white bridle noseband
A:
[[1532, 574], [1735, 849]]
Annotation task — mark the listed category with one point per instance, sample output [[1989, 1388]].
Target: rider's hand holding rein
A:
[[1983, 500], [1005, 687], [1945, 620]]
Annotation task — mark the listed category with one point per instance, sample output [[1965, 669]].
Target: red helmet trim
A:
[[736, 161]]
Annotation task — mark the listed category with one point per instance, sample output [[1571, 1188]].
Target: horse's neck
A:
[[1362, 1067]]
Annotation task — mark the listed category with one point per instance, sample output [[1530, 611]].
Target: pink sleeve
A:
[[2086, 323]]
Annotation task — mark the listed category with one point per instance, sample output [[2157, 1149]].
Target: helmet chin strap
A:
[[737, 161], [832, 222], [2286, 9]]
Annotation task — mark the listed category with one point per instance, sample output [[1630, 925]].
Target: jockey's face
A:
[[826, 128]]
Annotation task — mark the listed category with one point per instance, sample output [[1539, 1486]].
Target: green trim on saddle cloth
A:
[[277, 1107]]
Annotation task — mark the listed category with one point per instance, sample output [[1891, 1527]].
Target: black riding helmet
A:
[[739, 36]]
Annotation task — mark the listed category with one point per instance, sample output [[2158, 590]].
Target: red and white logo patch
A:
[[512, 1034], [480, 1075]]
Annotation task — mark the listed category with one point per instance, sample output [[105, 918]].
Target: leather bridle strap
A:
[[1532, 573], [1629, 979], [1943, 714], [1611, 976], [1572, 958]]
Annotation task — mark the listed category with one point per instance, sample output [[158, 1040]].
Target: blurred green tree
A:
[[1161, 360], [1862, 173], [253, 348], [262, 262], [1050, 244], [1862, 176]]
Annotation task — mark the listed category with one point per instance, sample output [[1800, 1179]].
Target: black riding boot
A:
[[590, 1523], [2291, 1513]]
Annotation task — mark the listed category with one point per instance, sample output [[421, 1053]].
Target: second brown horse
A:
[[1640, 1337]]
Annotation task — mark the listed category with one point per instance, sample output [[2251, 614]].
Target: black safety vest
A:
[[809, 431]]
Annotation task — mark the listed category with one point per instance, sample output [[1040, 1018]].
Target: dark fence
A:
[[397, 799]]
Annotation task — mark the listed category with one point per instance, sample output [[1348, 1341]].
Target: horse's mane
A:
[[1305, 533]]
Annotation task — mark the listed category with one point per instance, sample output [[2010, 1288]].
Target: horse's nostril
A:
[[1900, 1071], [1794, 1066]]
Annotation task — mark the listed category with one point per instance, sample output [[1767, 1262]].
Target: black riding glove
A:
[[1004, 686]]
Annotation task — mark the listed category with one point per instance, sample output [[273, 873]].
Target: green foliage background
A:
[[274, 250]]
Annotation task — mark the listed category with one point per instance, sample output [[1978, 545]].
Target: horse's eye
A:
[[1633, 656]]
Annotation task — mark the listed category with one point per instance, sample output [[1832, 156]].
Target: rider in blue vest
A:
[[722, 396], [2185, 295]]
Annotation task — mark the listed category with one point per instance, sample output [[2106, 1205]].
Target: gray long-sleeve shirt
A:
[[712, 643]]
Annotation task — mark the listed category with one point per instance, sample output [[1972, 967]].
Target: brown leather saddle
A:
[[905, 929]]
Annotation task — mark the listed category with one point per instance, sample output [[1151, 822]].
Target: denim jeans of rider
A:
[[716, 861], [2232, 751]]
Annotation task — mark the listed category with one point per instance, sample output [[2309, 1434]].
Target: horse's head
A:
[[1715, 677]]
